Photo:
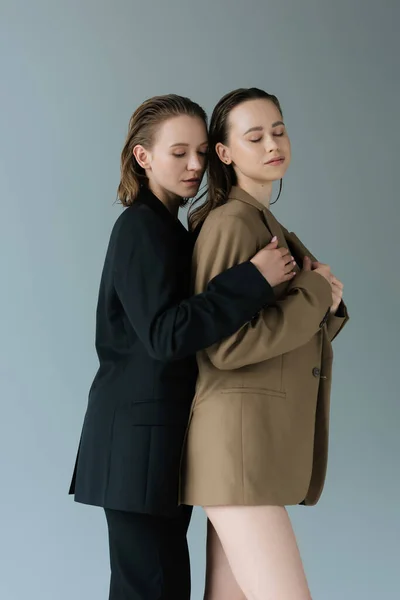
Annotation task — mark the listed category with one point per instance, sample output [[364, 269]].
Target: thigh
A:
[[148, 556], [261, 548], [220, 583]]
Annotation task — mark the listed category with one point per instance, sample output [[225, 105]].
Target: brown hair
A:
[[143, 125], [222, 177]]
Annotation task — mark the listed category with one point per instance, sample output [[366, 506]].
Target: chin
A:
[[189, 192], [276, 176]]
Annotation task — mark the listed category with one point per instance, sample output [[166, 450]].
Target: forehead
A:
[[254, 113], [181, 129]]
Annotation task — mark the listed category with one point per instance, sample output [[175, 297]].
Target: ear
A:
[[223, 153], [142, 156]]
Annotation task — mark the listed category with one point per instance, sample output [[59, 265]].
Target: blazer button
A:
[[316, 372]]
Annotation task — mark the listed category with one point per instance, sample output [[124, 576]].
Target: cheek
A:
[[247, 155], [204, 163], [166, 167], [286, 146]]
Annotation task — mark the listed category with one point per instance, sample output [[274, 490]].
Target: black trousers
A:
[[149, 556]]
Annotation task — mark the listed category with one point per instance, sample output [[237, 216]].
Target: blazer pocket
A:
[[156, 412], [254, 390]]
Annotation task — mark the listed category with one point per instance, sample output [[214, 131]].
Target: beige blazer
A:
[[258, 429]]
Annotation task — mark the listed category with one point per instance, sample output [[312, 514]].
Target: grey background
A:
[[71, 75]]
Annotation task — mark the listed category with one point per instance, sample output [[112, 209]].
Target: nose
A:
[[195, 163], [271, 144]]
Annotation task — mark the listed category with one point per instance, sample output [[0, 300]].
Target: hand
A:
[[320, 268], [337, 293], [337, 288], [275, 264]]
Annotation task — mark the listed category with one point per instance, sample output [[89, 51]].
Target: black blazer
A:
[[148, 330]]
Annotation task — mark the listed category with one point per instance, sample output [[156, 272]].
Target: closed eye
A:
[[205, 153]]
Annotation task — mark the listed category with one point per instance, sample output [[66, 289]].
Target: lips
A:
[[194, 180], [276, 161]]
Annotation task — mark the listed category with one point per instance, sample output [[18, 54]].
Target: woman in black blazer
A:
[[148, 330]]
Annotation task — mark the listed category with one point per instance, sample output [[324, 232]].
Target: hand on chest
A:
[[270, 227]]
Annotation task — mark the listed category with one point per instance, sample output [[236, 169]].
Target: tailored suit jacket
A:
[[148, 330], [258, 429]]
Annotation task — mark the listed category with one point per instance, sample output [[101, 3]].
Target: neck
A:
[[170, 201], [260, 191]]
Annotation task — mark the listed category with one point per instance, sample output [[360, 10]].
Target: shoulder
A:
[[137, 222], [138, 235], [232, 217], [133, 217], [233, 209]]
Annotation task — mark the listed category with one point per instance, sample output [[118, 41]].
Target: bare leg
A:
[[261, 548], [220, 582]]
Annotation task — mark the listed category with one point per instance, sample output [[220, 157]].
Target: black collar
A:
[[147, 197]]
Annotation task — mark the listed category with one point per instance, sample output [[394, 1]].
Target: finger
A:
[[317, 265], [337, 282], [289, 268], [336, 299], [307, 263], [289, 260], [337, 286], [289, 276], [284, 251], [273, 243]]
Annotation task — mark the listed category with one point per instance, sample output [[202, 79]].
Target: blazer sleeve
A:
[[280, 327], [336, 322], [146, 280]]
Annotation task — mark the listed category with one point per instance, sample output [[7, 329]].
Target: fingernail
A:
[[274, 238]]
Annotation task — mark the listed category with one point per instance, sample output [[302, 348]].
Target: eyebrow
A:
[[259, 128], [183, 144]]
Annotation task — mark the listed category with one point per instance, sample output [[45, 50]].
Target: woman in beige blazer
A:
[[257, 438]]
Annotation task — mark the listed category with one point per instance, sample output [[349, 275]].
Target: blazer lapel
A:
[[298, 249], [285, 239], [274, 228]]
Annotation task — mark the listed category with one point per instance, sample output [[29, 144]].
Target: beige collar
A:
[[270, 221], [239, 194], [291, 241]]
